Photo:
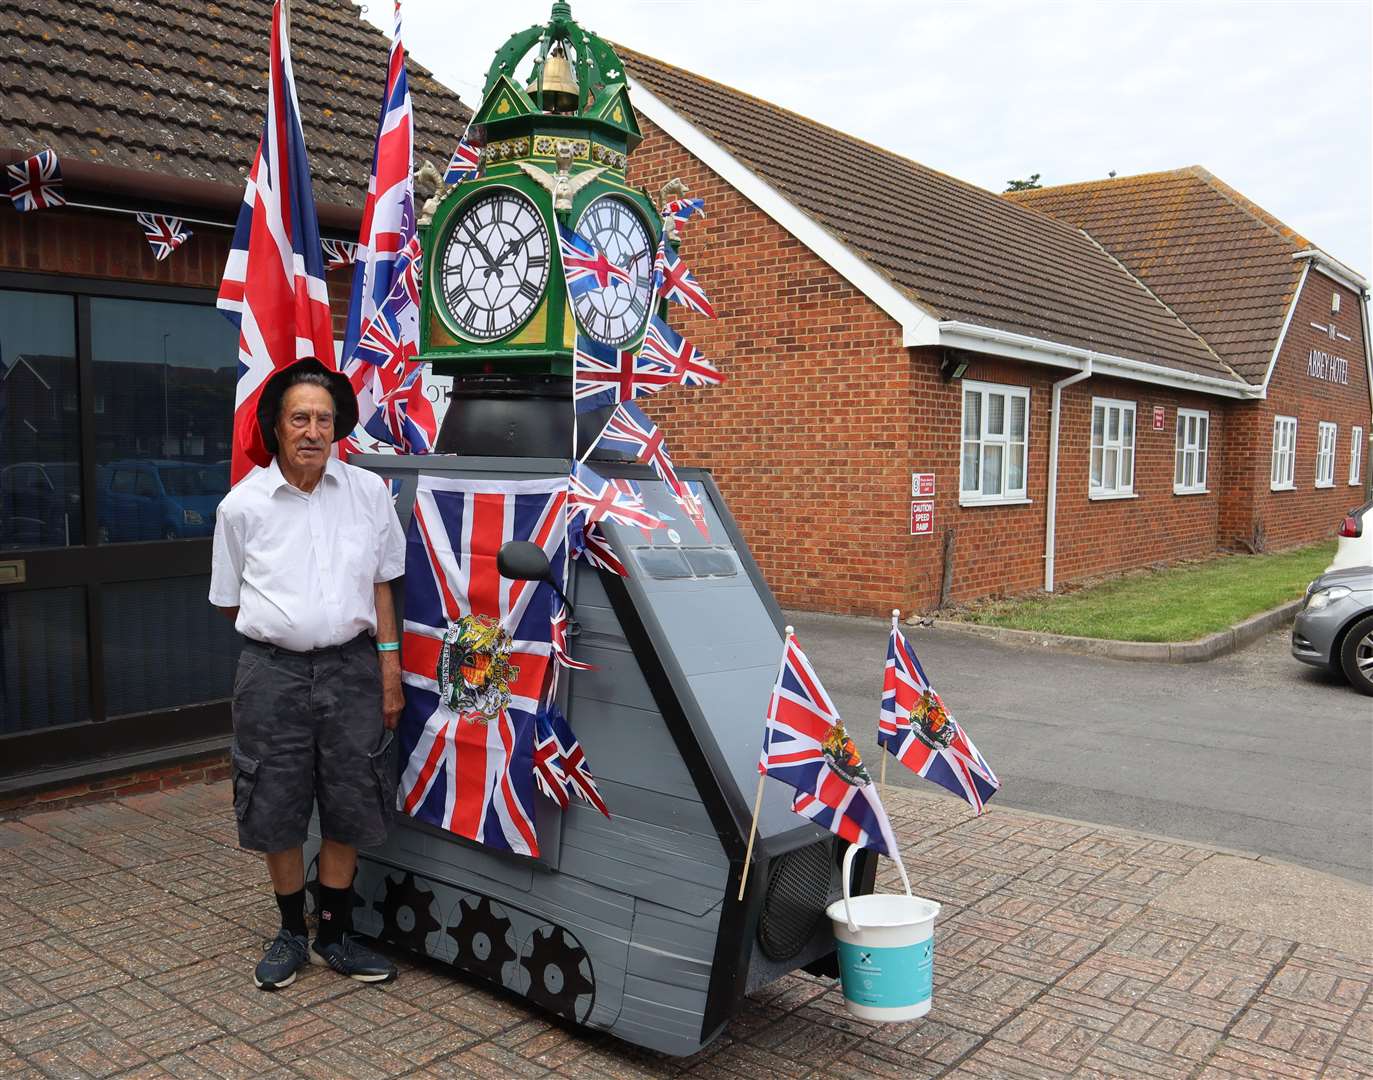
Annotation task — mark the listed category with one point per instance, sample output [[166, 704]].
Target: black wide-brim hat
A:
[[274, 389]]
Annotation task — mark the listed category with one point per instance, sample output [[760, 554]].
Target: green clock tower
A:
[[496, 313]]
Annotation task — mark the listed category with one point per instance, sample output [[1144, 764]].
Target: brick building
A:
[[877, 319]]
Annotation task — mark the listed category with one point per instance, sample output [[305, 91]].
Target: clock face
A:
[[617, 313], [493, 266]]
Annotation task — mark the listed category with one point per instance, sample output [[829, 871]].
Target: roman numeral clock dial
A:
[[493, 266], [618, 313]]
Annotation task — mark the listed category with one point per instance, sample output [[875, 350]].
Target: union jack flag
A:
[[573, 761], [338, 253], [669, 348], [548, 769], [591, 498], [381, 340], [632, 431], [675, 282], [165, 233], [464, 164], [470, 768], [604, 375], [684, 209], [915, 727], [273, 286], [805, 745], [559, 639], [585, 267], [36, 183], [692, 499], [589, 543]]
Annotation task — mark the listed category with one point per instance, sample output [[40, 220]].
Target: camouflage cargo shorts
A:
[[307, 729]]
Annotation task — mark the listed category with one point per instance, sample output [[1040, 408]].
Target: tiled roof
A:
[[1222, 263], [179, 87], [959, 251]]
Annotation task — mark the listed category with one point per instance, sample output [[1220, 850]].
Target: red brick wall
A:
[[205, 768]]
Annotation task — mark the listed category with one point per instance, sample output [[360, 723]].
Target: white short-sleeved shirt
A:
[[301, 567]]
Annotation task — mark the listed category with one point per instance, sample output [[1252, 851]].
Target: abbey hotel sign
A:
[[1322, 365]]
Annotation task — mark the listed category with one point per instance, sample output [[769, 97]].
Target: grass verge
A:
[[1177, 603]]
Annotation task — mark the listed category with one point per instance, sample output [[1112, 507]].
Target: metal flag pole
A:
[[882, 779], [758, 798]]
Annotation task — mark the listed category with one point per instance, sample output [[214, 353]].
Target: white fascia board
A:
[[1282, 334], [961, 335], [1333, 268], [918, 326]]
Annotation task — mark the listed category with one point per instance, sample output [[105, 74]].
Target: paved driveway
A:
[[1251, 751]]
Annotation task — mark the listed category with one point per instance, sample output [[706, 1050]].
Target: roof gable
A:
[[179, 87], [959, 252]]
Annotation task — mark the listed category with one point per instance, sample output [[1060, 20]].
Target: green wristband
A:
[[388, 646]]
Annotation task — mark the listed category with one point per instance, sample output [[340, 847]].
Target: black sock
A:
[[335, 913], [292, 907]]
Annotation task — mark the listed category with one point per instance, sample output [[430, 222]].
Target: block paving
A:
[[128, 931]]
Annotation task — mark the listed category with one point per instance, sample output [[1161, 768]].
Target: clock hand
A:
[[476, 241]]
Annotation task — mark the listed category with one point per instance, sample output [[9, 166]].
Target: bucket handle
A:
[[846, 873]]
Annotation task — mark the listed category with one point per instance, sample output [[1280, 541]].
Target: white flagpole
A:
[[882, 779], [758, 798]]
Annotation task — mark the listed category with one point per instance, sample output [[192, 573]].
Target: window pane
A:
[[996, 414], [1018, 418], [40, 477], [43, 665], [1201, 468], [991, 470], [1096, 466], [1015, 469], [1179, 459], [1098, 423], [1202, 424], [1127, 467], [1113, 425], [972, 414], [1109, 464], [165, 376], [972, 458], [1127, 425]]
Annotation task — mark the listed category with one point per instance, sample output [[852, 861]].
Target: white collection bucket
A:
[[886, 950]]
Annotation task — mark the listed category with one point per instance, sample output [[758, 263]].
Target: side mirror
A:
[[521, 560]]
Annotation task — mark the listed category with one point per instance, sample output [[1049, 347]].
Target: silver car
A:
[[1335, 625]]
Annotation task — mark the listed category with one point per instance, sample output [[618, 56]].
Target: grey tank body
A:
[[631, 925]]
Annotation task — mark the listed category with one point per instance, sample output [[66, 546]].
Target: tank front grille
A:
[[797, 893]]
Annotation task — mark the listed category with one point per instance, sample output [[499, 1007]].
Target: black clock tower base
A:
[[515, 416]]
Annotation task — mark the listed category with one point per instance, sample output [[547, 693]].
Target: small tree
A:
[[1024, 185]]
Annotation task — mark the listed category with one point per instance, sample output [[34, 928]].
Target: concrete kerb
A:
[[1159, 652]]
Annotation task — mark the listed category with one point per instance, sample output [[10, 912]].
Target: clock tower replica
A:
[[496, 313]]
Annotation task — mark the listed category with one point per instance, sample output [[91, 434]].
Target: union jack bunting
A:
[[573, 761], [548, 769], [591, 498], [692, 499], [464, 164], [585, 267], [916, 728], [634, 497], [805, 745], [604, 375], [339, 253], [632, 431], [273, 286], [36, 183], [165, 234], [675, 282], [589, 543], [476, 656], [669, 348], [684, 209], [559, 639]]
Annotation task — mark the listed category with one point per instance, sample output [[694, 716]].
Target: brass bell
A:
[[560, 91]]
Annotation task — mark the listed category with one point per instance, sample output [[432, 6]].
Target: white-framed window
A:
[[996, 422], [1356, 452], [1325, 455], [1193, 444], [1284, 452], [1113, 448]]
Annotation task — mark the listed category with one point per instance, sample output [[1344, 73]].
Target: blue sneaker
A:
[[349, 956], [286, 954]]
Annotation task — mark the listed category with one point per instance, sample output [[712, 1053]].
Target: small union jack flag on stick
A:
[[604, 375], [464, 164], [586, 267], [684, 209], [36, 183], [165, 234], [669, 348], [675, 282], [339, 253]]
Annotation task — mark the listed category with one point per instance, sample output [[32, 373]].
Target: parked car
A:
[[158, 500], [1335, 625], [1356, 539], [40, 504]]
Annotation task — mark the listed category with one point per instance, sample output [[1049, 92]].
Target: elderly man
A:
[[303, 552]]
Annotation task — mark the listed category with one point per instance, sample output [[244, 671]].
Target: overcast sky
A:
[[1275, 98]]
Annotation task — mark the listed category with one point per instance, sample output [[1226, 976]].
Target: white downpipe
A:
[[1051, 502]]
